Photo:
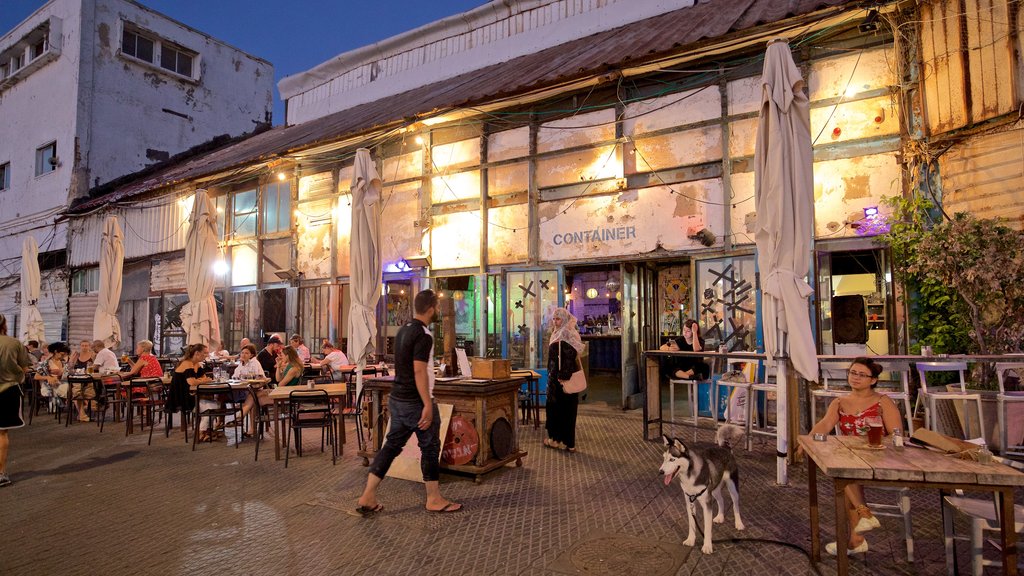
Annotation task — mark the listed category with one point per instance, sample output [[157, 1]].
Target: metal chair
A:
[[1004, 400], [751, 388], [931, 397], [833, 384], [141, 393], [85, 382], [223, 396], [311, 409], [984, 515]]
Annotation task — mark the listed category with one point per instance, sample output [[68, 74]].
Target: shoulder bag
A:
[[578, 381]]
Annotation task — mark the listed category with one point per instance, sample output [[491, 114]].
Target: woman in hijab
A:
[[565, 348]]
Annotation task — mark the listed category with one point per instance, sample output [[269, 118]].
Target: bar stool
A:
[[750, 388], [930, 397], [1004, 400], [833, 384]]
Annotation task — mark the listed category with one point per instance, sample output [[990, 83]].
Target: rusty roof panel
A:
[[628, 44]]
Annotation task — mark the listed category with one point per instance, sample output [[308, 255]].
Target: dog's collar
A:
[[693, 497]]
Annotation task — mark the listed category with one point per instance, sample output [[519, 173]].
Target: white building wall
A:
[[495, 32], [39, 109], [152, 113]]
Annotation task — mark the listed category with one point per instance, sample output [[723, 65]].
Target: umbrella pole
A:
[[782, 397]]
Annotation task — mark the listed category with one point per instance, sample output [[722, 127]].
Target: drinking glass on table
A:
[[875, 431]]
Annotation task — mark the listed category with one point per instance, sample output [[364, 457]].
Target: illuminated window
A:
[[277, 200]]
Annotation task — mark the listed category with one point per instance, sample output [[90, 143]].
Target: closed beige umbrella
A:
[[199, 316], [364, 261], [105, 325], [32, 327], [784, 192]]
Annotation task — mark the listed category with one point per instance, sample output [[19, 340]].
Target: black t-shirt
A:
[[412, 343], [269, 363]]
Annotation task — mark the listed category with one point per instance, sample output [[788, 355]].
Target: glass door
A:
[[531, 298]]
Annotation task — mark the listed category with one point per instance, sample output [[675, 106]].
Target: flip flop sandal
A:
[[448, 508], [366, 511]]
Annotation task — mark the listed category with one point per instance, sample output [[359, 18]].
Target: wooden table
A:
[[279, 396], [481, 402], [847, 460]]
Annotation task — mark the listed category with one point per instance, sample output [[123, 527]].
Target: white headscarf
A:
[[568, 332]]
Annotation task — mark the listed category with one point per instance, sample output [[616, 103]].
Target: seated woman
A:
[[250, 368], [147, 365], [300, 347], [686, 368], [83, 357], [852, 414], [187, 374], [52, 372], [289, 368], [333, 358]]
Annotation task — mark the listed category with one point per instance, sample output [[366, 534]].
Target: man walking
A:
[[13, 362], [412, 408]]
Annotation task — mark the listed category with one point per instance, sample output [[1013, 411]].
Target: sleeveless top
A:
[[294, 381], [857, 424]]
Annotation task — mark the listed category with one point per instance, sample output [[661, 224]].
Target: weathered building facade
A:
[[609, 170], [92, 90]]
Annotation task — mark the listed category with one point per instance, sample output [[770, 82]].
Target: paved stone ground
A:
[[91, 503]]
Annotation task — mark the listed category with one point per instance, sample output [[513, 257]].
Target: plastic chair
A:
[[311, 409], [931, 397], [984, 517], [1004, 400], [223, 395]]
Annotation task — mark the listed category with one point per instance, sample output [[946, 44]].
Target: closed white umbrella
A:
[[784, 191], [364, 261], [32, 327], [199, 315], [105, 325]]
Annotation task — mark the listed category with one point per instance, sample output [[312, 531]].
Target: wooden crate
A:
[[490, 368]]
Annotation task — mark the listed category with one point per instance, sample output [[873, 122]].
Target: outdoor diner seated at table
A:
[[333, 357], [854, 415], [250, 369], [299, 345], [83, 357], [52, 372], [690, 341], [186, 374], [147, 365], [269, 355], [106, 361], [288, 369]]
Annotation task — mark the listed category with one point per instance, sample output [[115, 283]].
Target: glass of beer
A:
[[875, 432]]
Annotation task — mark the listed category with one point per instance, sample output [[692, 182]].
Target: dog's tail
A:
[[729, 435]]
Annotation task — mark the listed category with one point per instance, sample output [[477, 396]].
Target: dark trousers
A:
[[561, 411], [405, 417]]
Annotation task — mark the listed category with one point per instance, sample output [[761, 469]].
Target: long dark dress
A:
[[178, 397], [561, 408], [701, 370]]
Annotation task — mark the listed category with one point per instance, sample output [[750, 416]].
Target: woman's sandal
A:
[[867, 522]]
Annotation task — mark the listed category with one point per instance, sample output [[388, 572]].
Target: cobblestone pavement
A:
[[90, 503]]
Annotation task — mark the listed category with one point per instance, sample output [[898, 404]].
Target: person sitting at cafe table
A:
[[289, 368], [300, 348], [268, 356], [249, 368], [854, 414], [52, 371], [188, 373], [147, 365], [333, 357], [691, 341], [83, 357], [105, 361], [242, 344], [32, 347]]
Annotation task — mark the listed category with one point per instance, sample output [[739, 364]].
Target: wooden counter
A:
[[482, 403]]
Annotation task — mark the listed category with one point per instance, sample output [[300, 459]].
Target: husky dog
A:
[[702, 470]]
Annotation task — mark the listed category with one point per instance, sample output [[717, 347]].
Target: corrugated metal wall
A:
[[985, 176], [969, 69], [53, 301], [83, 310], [148, 230]]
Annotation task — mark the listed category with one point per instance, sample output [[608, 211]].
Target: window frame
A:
[[159, 46], [236, 215], [89, 278], [5, 176], [44, 167], [42, 44], [283, 223]]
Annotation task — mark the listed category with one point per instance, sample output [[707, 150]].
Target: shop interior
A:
[[855, 319], [594, 297]]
